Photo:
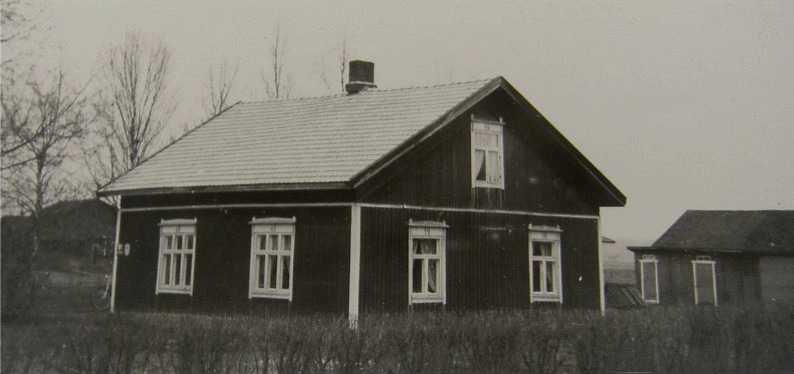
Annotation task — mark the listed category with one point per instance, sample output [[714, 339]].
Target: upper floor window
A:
[[545, 278], [704, 280], [427, 262], [272, 257], [649, 279], [487, 154], [176, 262]]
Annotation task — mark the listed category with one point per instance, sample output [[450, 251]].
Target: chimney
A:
[[362, 77]]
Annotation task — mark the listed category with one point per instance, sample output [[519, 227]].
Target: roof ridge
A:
[[288, 99]]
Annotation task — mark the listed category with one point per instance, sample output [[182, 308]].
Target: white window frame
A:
[[262, 229], [435, 231], [704, 260], [479, 126], [647, 260], [174, 228], [552, 235]]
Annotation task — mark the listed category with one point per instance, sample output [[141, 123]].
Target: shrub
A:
[[19, 283], [677, 339]]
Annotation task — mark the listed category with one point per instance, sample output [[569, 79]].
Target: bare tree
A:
[[45, 122], [342, 59], [278, 85], [219, 88], [20, 36], [133, 109]]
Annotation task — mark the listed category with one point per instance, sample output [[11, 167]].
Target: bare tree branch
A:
[[221, 82], [279, 85], [48, 120], [21, 38], [341, 54], [133, 110]]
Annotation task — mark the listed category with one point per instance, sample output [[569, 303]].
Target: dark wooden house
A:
[[720, 257], [458, 196]]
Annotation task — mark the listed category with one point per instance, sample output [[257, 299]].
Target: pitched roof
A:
[[295, 141], [333, 141], [753, 231]]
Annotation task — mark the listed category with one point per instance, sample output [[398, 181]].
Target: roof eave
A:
[[231, 188], [693, 249]]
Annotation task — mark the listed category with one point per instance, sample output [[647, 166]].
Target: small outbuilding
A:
[[720, 257], [459, 196]]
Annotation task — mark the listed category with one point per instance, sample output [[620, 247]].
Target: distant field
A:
[[620, 273]]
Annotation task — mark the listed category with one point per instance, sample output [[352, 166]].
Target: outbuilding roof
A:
[[321, 142], [750, 231]]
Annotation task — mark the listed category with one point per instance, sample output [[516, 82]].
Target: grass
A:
[[661, 340]]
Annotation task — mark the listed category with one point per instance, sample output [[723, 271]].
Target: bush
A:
[[678, 339], [19, 283]]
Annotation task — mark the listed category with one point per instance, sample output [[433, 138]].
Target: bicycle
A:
[[100, 298]]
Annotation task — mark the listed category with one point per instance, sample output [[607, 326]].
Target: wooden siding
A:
[[487, 259], [223, 240], [232, 198], [538, 176], [777, 279], [737, 277]]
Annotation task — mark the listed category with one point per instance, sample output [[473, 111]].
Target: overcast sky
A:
[[686, 105]]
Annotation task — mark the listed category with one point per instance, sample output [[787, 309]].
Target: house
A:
[[458, 196], [71, 233], [720, 257]]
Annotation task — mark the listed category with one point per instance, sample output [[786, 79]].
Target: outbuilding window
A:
[[545, 274], [177, 257], [704, 280], [487, 152], [272, 257], [426, 262], [649, 279]]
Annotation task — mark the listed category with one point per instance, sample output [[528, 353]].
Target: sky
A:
[[682, 105]]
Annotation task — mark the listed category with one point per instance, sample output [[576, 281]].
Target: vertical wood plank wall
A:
[[487, 259], [223, 238], [737, 277]]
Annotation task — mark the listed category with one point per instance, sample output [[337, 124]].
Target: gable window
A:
[[649, 279], [427, 262], [487, 154], [176, 263], [272, 252], [704, 280], [545, 278]]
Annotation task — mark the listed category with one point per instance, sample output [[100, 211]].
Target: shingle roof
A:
[[756, 231], [295, 141]]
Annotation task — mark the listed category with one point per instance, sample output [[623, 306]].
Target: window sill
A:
[[426, 299], [546, 299], [488, 185], [264, 295], [174, 291]]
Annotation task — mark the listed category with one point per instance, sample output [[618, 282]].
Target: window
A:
[[649, 279], [487, 169], [426, 262], [545, 278], [176, 262], [272, 252], [704, 280]]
